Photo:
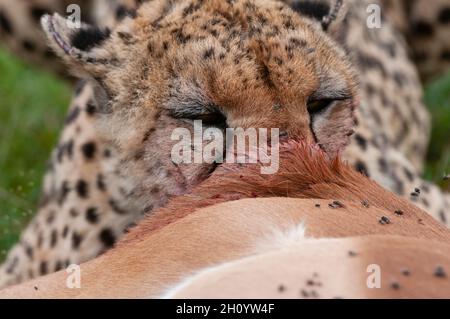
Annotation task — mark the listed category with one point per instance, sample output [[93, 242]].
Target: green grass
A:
[[32, 108], [437, 98]]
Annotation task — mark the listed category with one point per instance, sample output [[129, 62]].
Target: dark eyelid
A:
[[335, 96], [209, 114]]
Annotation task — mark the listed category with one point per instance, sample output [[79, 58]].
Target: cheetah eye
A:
[[317, 106], [210, 115], [215, 118]]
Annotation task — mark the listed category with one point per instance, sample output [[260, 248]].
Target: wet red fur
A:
[[304, 172]]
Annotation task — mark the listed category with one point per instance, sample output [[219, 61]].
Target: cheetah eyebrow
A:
[[192, 109], [336, 95]]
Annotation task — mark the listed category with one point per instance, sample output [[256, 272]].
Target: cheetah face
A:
[[241, 63]]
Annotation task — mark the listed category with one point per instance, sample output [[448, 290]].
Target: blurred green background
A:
[[32, 108]]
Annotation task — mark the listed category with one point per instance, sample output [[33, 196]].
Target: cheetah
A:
[[104, 177]]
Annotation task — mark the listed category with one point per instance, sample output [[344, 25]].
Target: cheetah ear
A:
[[79, 47], [328, 12]]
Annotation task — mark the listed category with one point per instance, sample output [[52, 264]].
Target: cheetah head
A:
[[229, 63]]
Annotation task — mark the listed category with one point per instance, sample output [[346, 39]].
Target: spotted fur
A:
[[103, 176]]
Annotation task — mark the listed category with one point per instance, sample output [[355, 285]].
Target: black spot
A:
[[73, 212], [63, 192], [92, 215], [384, 220], [107, 153], [37, 13], [12, 265], [443, 217], [82, 189], [73, 115], [371, 62], [43, 268], [87, 38], [155, 190], [116, 208], [28, 45], [444, 15], [50, 217], [395, 285], [422, 29], [400, 79], [440, 272], [362, 168], [445, 55], [362, 142], [405, 272], [382, 163], [58, 266], [107, 237], [89, 150], [101, 182], [408, 174], [65, 231], [76, 240], [69, 148], [122, 12], [5, 24], [208, 53], [79, 87], [90, 108], [29, 251], [312, 9], [336, 204], [398, 212], [53, 238]]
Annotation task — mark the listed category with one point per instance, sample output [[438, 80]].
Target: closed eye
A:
[[317, 106], [210, 115]]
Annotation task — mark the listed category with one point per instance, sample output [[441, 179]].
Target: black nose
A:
[[283, 133]]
